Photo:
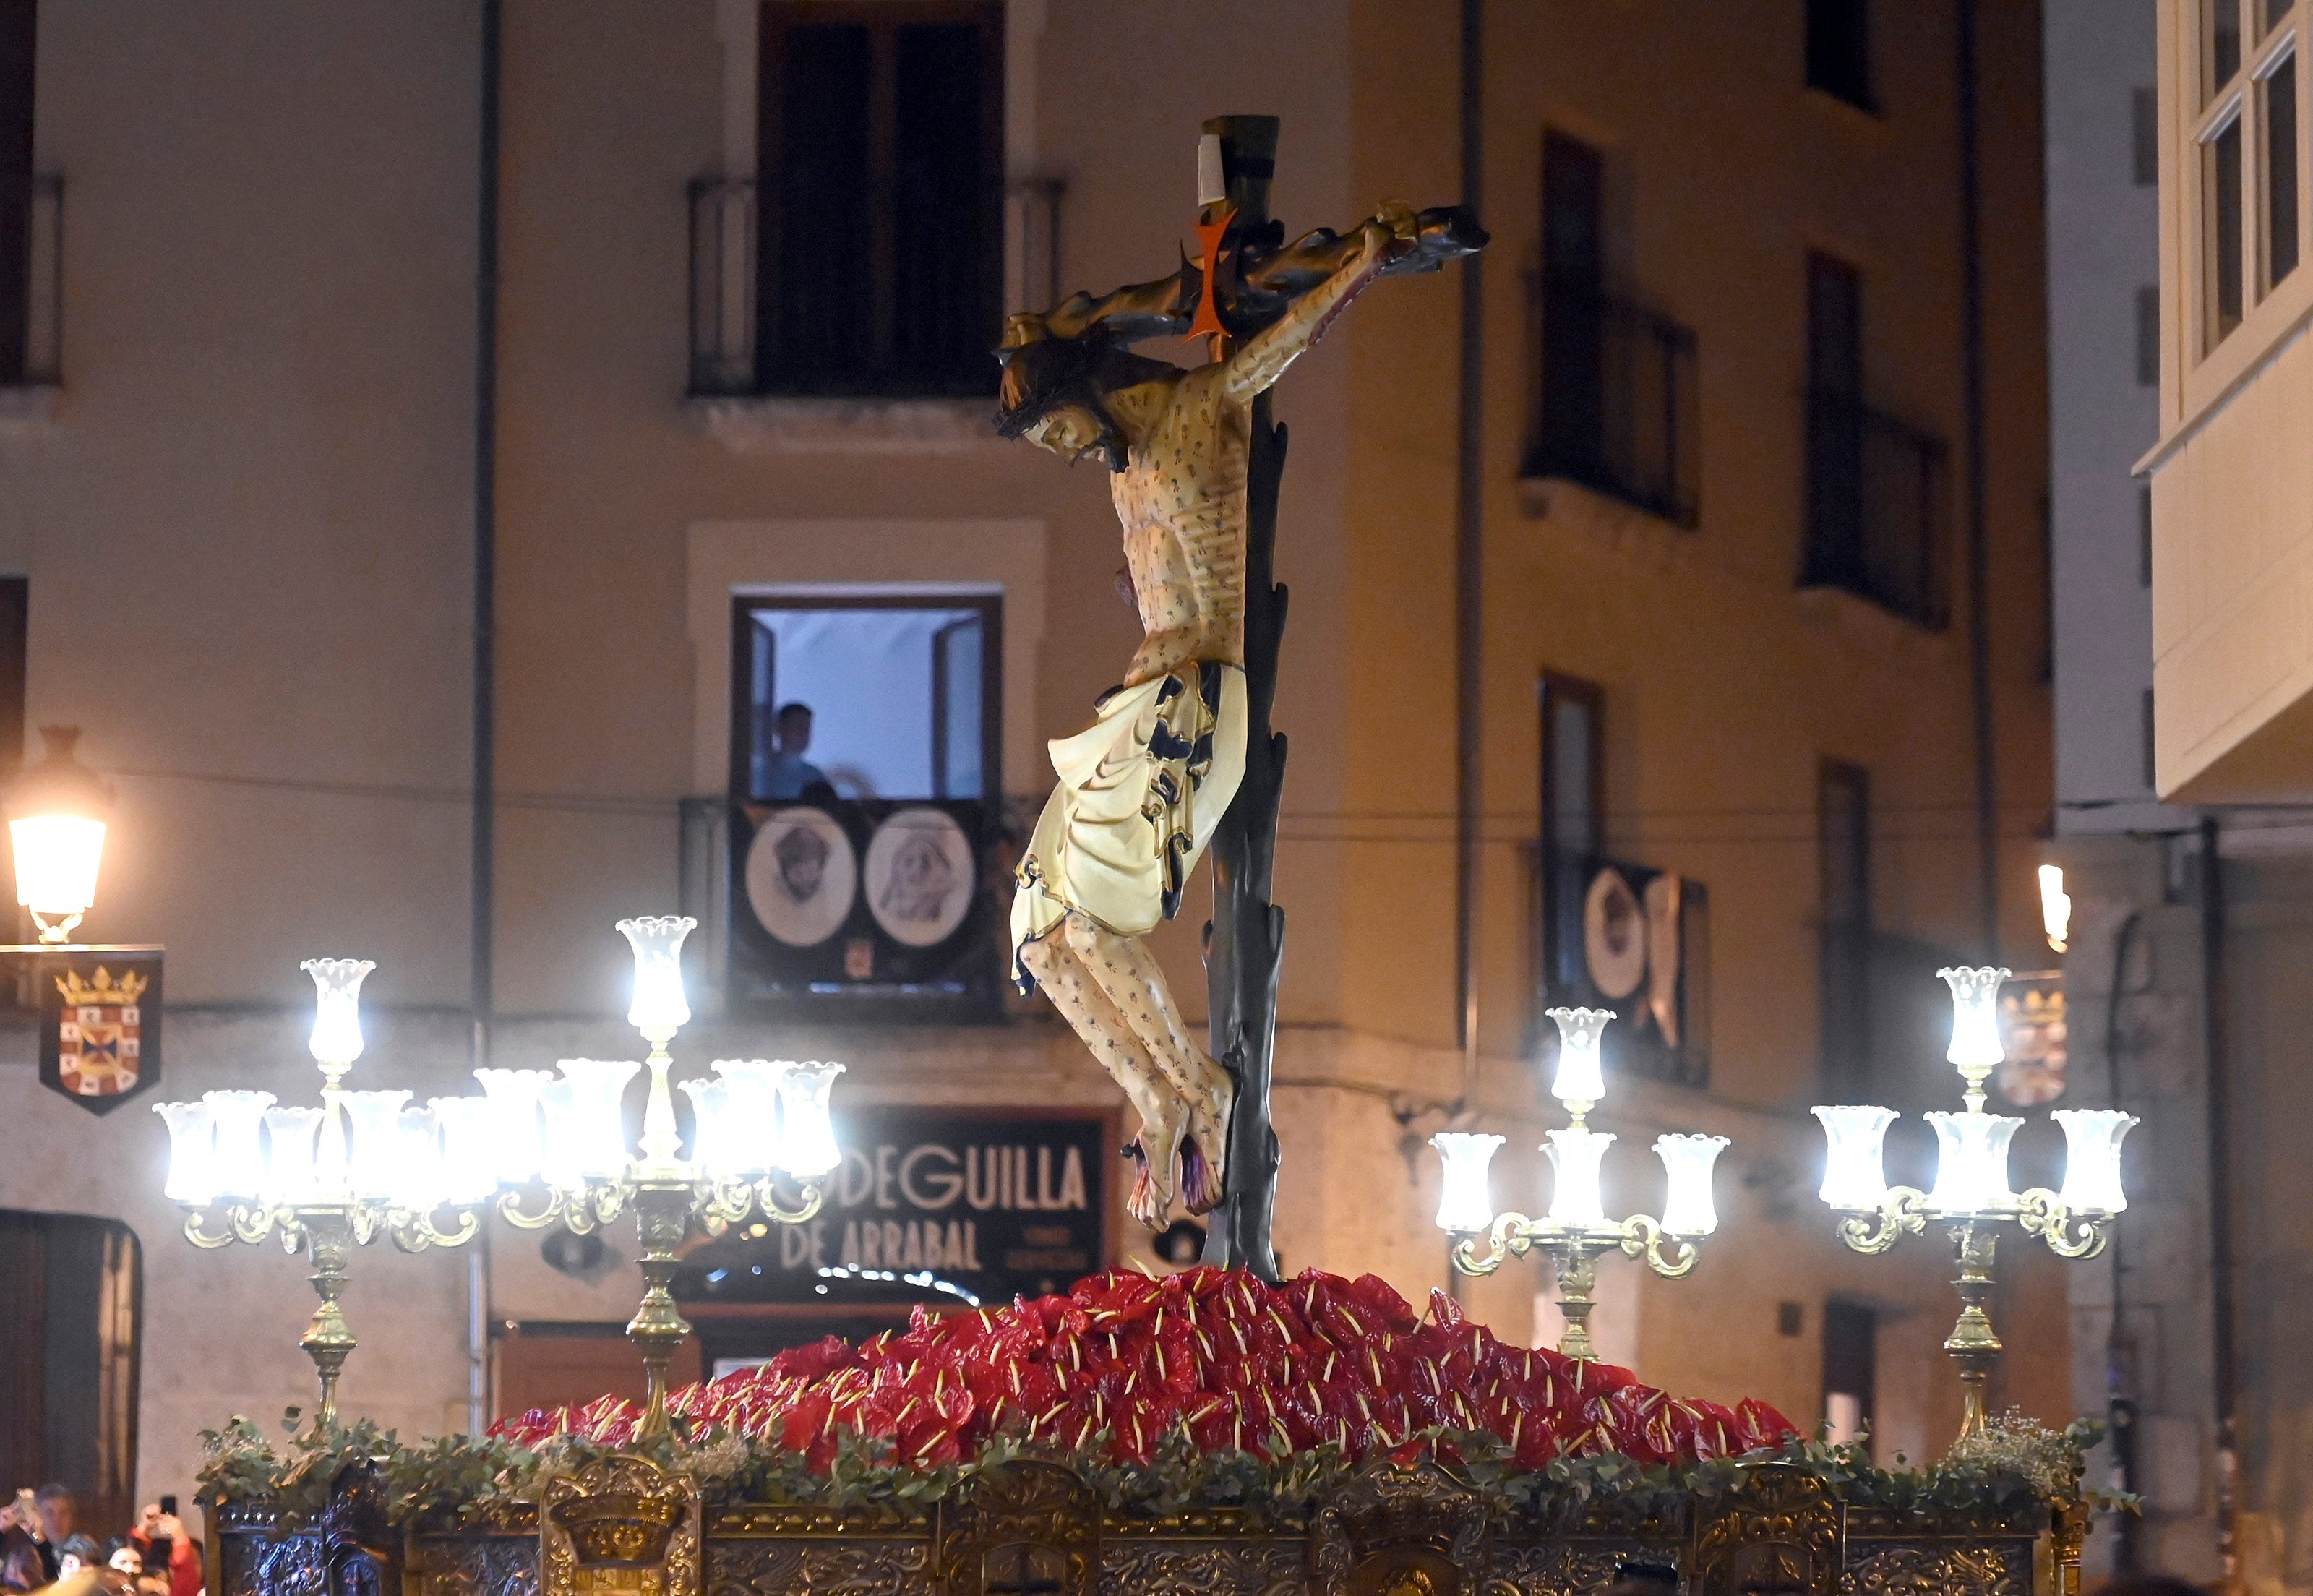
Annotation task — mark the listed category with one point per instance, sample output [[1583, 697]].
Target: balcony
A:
[[1614, 404], [1876, 515], [32, 296]]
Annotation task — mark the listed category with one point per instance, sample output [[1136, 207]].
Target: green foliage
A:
[[2012, 1476]]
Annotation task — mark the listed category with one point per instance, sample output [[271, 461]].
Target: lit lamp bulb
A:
[[2055, 907], [56, 812], [1687, 1161], [808, 1148], [660, 1008], [2092, 1139], [1578, 1083], [1971, 1162], [1975, 1045], [192, 1152], [1575, 1201], [1465, 1205], [1854, 1170], [336, 1039]]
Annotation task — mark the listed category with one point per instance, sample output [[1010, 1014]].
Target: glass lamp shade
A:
[[468, 1126], [659, 1008], [807, 1145], [1574, 1157], [513, 1099], [1688, 1207], [337, 1040], [1971, 1162], [289, 1134], [753, 1146], [374, 1128], [55, 829], [192, 1152], [592, 1137], [239, 1118], [419, 1180], [2092, 1139], [2055, 907], [1579, 1079], [1854, 1171], [57, 861], [1975, 1045], [710, 1125], [1464, 1202]]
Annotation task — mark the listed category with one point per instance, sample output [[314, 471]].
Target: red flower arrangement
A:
[[1232, 1362]]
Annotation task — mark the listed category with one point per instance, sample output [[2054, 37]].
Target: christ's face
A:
[[1068, 431]]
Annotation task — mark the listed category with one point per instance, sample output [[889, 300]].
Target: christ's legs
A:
[[1135, 986], [1086, 1007]]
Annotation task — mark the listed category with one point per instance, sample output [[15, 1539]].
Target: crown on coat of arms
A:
[[103, 989]]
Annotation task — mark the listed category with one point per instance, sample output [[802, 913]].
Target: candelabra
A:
[[1577, 1231], [365, 1164], [327, 1179], [760, 1120], [1971, 1198]]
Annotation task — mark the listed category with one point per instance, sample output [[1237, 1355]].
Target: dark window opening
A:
[[865, 797], [2150, 768], [1839, 50], [2144, 536], [1611, 933], [2221, 168], [879, 204], [2148, 336], [1844, 863], [1850, 1357], [1616, 409], [2144, 136], [68, 1365], [2279, 95], [2221, 33], [18, 32], [15, 617], [1874, 484]]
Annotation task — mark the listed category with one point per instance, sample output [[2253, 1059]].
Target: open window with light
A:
[[866, 785]]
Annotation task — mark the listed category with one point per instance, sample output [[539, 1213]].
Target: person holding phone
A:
[[31, 1529], [167, 1548]]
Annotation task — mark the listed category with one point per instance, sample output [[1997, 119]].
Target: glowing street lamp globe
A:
[[56, 812]]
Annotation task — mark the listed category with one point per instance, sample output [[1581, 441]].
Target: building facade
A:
[[729, 433]]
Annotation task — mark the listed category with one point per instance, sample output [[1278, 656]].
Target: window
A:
[[2144, 536], [1851, 1332], [17, 30], [1613, 934], [2144, 136], [865, 793], [1616, 410], [1839, 50], [1874, 484], [879, 265], [1844, 863], [68, 1366], [2148, 336], [2247, 160]]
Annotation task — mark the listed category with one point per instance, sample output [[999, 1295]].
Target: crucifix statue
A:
[[1179, 757]]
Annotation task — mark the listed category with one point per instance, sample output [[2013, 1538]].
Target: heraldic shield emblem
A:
[[101, 1026]]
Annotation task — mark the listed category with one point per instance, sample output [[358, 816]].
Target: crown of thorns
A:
[[1043, 373]]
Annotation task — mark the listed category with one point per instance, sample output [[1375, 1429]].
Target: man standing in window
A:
[[1142, 789], [788, 774]]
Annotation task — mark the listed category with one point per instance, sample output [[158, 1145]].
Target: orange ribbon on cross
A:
[[1208, 247]]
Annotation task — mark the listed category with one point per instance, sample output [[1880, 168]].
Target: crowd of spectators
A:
[[43, 1547]]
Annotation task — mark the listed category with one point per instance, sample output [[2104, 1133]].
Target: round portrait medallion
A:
[[802, 876], [919, 876]]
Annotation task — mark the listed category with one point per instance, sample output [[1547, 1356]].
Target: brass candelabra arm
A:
[[1513, 1236], [195, 1233], [510, 1210], [808, 1201], [1643, 1237], [415, 1232], [2069, 1235], [1903, 1211], [721, 1204]]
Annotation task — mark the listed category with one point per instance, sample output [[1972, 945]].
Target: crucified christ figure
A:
[[1142, 789]]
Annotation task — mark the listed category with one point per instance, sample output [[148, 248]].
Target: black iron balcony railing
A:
[[797, 292], [1615, 402], [1876, 518], [32, 280]]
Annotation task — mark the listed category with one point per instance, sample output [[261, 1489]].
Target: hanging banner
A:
[[100, 1025]]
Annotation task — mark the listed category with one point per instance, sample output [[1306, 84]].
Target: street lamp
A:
[[1577, 1231], [1970, 1197], [57, 813]]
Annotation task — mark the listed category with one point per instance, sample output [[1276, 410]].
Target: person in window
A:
[[791, 776]]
